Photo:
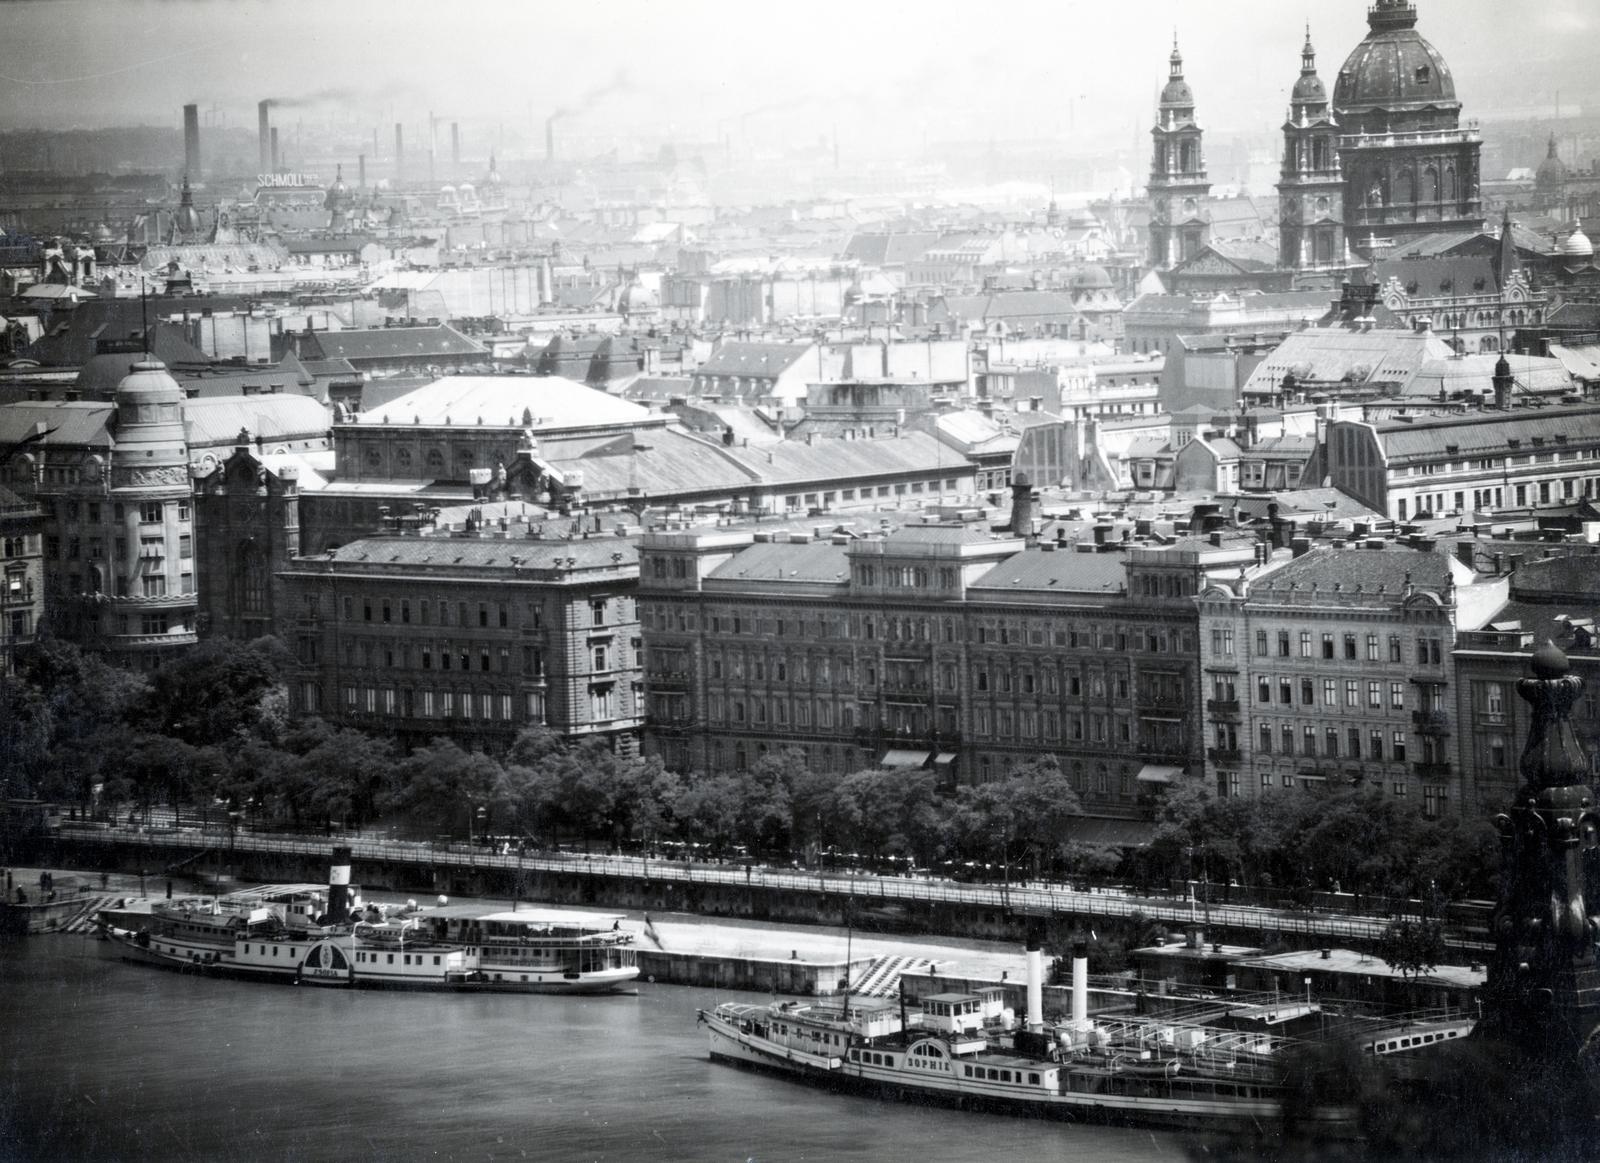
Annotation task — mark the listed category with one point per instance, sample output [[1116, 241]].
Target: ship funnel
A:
[[1080, 986], [1035, 983], [339, 886]]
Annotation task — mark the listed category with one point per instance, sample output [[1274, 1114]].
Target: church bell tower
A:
[[1311, 193], [1178, 183]]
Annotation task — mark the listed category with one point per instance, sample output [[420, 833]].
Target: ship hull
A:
[[1158, 1107], [167, 953]]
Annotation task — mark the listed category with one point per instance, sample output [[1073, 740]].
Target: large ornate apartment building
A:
[[939, 646], [1337, 666], [472, 630]]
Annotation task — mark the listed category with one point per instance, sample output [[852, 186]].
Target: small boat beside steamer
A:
[[308, 935], [966, 1050]]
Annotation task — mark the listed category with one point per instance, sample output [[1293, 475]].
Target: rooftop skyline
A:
[[705, 71]]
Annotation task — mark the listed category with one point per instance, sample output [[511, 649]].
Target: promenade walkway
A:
[[172, 846]]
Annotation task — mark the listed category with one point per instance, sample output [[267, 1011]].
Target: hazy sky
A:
[[700, 69]]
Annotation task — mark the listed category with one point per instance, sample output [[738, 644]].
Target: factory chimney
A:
[[276, 157], [550, 139], [455, 147], [361, 171], [191, 141], [399, 152], [265, 143]]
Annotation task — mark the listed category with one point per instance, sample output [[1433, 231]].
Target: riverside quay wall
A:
[[870, 903]]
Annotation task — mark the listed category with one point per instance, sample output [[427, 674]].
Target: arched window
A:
[[253, 579], [1405, 188], [1430, 185], [1450, 194]]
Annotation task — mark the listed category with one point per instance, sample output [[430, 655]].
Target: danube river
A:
[[108, 1061]]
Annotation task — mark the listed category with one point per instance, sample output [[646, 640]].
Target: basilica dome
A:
[[1394, 71], [1552, 173]]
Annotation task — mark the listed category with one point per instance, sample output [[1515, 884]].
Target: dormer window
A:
[[1424, 74]]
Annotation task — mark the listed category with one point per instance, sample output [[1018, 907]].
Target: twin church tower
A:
[[1385, 159]]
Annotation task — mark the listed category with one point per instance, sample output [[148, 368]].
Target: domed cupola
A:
[[1552, 174], [1395, 81], [1577, 246], [149, 420], [1176, 94], [1309, 89]]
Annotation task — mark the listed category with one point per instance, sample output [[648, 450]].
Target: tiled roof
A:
[[1011, 305], [376, 343], [778, 562], [830, 460], [1063, 571], [1331, 355], [1479, 433], [1430, 278], [290, 419], [1475, 373], [889, 249], [551, 402], [664, 463], [77, 423], [485, 553], [739, 358], [1357, 573]]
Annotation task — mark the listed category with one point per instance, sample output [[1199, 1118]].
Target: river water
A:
[[102, 1060]]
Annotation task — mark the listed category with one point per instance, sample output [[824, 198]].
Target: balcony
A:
[[1228, 708], [1231, 756], [1431, 770], [1431, 722], [677, 680], [669, 724]]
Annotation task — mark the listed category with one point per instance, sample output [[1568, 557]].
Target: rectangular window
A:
[[1375, 745], [1397, 746], [1372, 648], [150, 513], [1330, 692], [1305, 644], [1394, 648], [1330, 742], [1285, 691], [1283, 644], [1374, 694], [1397, 695], [1350, 647], [1352, 693], [1327, 645], [1261, 643], [1308, 691]]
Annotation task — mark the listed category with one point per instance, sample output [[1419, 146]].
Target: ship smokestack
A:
[[1035, 983], [339, 885], [191, 141], [264, 142], [1080, 986]]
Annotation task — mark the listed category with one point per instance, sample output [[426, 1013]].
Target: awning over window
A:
[[1155, 773], [944, 759], [898, 758]]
